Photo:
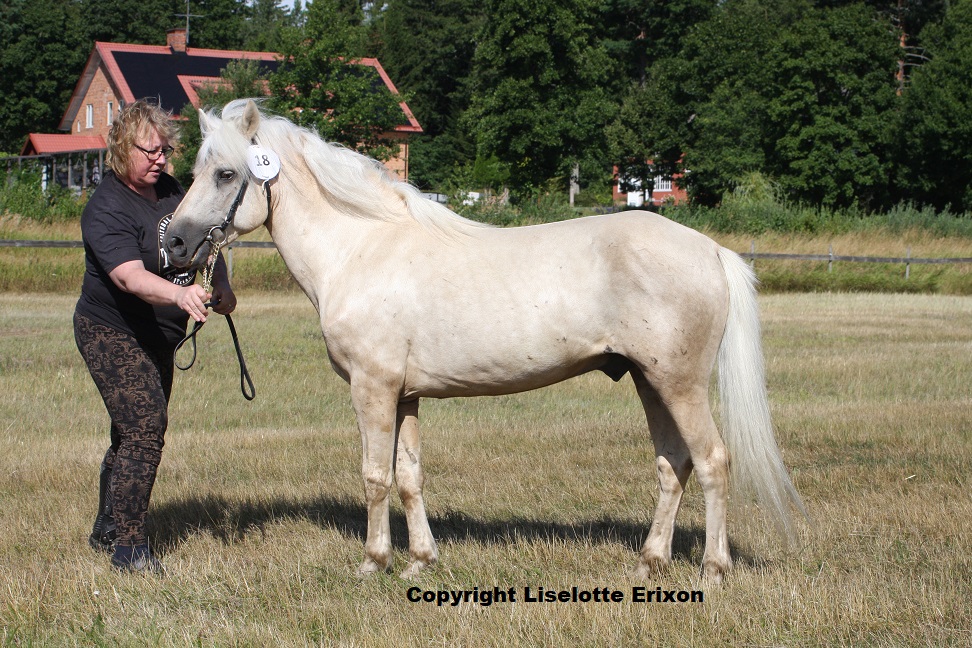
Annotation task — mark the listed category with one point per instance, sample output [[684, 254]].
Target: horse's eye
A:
[[225, 175]]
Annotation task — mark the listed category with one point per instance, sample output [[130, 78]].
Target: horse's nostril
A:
[[176, 246]]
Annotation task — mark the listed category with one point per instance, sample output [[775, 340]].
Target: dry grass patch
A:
[[258, 512]]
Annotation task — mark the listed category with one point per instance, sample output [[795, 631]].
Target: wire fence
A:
[[751, 255], [831, 258]]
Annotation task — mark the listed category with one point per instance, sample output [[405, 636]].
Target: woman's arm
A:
[[132, 277]]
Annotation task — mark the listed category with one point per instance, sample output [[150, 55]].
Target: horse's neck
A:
[[315, 239]]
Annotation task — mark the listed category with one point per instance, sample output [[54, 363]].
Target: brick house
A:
[[119, 73], [666, 190]]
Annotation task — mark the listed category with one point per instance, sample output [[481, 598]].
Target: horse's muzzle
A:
[[183, 256]]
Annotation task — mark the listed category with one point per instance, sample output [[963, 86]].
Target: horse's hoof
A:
[[413, 570], [369, 567], [649, 567], [714, 572]]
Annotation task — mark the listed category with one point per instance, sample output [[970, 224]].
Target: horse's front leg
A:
[[410, 478], [375, 406]]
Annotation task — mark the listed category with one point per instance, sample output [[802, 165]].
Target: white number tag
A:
[[264, 163]]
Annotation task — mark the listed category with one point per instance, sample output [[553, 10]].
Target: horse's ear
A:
[[251, 119], [206, 124]]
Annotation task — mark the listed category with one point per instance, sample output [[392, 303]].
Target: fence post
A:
[[752, 254], [908, 264], [830, 263]]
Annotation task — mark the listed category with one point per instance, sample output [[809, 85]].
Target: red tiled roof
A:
[[181, 72], [42, 144]]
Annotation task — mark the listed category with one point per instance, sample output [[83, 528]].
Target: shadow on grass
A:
[[175, 522]]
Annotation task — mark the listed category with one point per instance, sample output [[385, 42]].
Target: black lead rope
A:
[[246, 383]]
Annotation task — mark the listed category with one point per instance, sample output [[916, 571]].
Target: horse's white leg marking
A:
[[410, 479], [375, 407], [673, 465]]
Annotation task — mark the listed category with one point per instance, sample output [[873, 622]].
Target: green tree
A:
[[264, 28], [653, 126], [427, 47], [831, 107], [112, 20], [936, 127], [319, 85], [42, 50], [637, 33], [539, 98], [805, 96], [220, 24], [701, 96], [238, 80]]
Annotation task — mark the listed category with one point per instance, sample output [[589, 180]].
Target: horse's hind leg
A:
[[673, 465], [410, 478], [685, 436]]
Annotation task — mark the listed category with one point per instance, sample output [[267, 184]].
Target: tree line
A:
[[837, 103]]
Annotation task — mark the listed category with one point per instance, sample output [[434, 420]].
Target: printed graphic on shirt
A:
[[167, 271]]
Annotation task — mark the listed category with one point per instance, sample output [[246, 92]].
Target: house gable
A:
[[120, 73]]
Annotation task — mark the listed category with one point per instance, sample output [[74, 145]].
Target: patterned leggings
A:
[[135, 383]]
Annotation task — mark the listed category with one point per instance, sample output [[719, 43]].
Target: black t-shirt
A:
[[119, 225]]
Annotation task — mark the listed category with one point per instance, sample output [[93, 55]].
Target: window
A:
[[89, 116], [663, 184], [111, 107]]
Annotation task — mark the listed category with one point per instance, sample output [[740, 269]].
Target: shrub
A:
[[23, 195]]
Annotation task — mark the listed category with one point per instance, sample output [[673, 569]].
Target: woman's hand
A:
[[192, 299]]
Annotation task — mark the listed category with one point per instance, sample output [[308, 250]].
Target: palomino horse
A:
[[415, 301]]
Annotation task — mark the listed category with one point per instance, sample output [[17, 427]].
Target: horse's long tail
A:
[[756, 465]]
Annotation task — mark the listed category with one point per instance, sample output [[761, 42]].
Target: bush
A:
[[756, 206], [22, 195]]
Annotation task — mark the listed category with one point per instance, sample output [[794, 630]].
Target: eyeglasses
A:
[[155, 154]]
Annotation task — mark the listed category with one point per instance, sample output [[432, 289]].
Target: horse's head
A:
[[229, 195]]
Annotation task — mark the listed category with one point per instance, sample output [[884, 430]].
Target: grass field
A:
[[258, 511]]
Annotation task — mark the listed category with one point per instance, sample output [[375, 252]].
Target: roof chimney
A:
[[176, 39]]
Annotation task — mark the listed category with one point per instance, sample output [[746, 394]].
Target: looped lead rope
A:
[[246, 383]]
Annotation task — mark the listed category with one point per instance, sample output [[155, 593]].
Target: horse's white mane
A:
[[358, 185]]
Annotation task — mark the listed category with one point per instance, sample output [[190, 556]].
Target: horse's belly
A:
[[499, 366]]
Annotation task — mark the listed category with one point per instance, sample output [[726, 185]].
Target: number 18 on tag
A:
[[264, 163]]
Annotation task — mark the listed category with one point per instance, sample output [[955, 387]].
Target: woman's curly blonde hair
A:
[[136, 121]]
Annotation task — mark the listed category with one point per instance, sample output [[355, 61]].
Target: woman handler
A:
[[133, 310]]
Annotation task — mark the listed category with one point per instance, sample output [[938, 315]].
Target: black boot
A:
[[103, 533], [138, 559]]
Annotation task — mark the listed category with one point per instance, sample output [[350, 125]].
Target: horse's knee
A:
[[377, 483]]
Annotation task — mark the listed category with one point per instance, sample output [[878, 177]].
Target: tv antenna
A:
[[187, 16]]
